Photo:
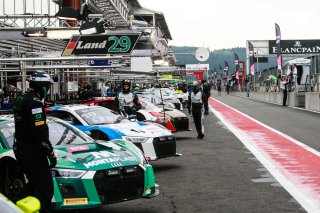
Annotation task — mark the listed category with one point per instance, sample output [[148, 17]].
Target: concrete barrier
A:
[[297, 99], [307, 100], [313, 101], [271, 97]]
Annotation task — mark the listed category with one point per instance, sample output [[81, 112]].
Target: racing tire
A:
[[13, 181]]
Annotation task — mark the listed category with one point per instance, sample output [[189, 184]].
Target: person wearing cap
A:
[[127, 100], [32, 147], [195, 102]]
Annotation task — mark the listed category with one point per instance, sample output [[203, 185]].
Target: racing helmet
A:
[[196, 89], [40, 82], [126, 85]]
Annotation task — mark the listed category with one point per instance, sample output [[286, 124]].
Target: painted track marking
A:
[[293, 164]]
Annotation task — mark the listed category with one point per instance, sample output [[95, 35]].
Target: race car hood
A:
[[169, 112], [156, 113], [140, 129], [95, 156], [175, 113]]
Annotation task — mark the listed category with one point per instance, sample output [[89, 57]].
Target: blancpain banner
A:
[[295, 46]]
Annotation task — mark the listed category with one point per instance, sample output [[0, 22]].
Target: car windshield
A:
[[59, 134], [64, 134], [99, 116], [7, 131]]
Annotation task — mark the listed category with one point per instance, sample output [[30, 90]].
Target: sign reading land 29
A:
[[101, 44]]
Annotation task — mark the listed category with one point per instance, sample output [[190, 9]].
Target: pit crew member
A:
[[32, 147]]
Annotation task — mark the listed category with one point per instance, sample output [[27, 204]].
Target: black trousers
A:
[[35, 166], [198, 117], [228, 89], [205, 99], [299, 79], [284, 100]]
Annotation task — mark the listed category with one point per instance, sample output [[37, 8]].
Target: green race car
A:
[[88, 173]]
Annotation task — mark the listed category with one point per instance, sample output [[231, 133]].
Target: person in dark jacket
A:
[[32, 147], [228, 87], [219, 87], [195, 102], [284, 88], [206, 94]]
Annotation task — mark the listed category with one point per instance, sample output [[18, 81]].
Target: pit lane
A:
[[217, 174]]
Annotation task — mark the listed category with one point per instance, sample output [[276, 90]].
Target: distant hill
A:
[[217, 57]]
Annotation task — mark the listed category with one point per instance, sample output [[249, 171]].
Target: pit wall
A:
[[313, 101], [307, 100]]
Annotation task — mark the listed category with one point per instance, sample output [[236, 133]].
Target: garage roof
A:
[[160, 20]]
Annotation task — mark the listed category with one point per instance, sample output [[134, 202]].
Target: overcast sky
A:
[[221, 24]]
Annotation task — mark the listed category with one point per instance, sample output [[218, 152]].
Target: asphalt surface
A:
[[299, 124], [218, 174]]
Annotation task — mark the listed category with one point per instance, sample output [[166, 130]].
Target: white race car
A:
[[151, 112], [101, 123], [157, 94]]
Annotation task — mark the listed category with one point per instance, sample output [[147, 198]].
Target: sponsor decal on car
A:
[[75, 201], [104, 157], [77, 148]]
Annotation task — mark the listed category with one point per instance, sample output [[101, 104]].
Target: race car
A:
[[168, 96], [152, 111], [178, 120], [107, 102], [183, 97], [153, 139], [153, 99], [157, 96], [158, 118], [88, 174]]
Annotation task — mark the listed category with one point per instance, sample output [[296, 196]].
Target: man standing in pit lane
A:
[[195, 103], [32, 147], [206, 94]]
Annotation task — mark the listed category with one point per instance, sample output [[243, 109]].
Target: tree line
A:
[[185, 55]]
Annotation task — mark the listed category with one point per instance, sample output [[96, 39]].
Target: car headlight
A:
[[67, 173], [136, 139]]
